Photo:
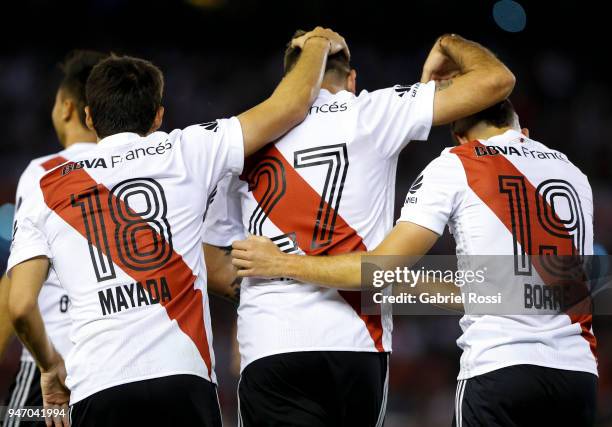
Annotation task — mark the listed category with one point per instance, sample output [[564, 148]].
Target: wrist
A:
[[319, 41], [50, 362], [287, 265]]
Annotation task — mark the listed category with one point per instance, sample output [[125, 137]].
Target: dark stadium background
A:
[[222, 56]]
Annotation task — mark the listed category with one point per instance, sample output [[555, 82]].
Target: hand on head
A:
[[337, 42], [439, 66]]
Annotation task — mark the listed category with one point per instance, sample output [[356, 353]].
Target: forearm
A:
[[31, 331], [26, 280], [482, 63], [467, 54], [222, 278], [482, 81], [299, 88], [336, 271], [6, 328], [445, 289], [289, 103]]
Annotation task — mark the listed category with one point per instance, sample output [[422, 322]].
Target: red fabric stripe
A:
[[483, 177], [186, 305], [53, 162], [296, 211]]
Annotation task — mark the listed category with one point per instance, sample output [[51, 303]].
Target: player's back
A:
[[512, 202], [327, 187], [122, 224]]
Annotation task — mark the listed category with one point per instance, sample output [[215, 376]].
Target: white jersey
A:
[[53, 301], [512, 196], [122, 227], [326, 187]]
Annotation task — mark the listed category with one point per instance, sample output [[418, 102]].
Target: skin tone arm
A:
[[469, 78], [289, 103], [26, 280], [259, 256], [6, 328], [223, 280]]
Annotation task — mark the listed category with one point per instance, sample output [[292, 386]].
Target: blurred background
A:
[[222, 56]]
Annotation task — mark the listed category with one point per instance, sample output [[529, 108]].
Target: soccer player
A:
[[68, 117], [500, 193], [121, 226], [327, 187]]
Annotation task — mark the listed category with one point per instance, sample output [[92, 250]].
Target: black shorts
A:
[[177, 400], [526, 395], [314, 389], [25, 391]]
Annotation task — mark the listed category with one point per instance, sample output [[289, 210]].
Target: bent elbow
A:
[[502, 83]]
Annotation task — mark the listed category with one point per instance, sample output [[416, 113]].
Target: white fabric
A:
[[121, 330], [346, 151]]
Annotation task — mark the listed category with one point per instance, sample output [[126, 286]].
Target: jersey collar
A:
[[79, 145], [509, 136], [119, 138]]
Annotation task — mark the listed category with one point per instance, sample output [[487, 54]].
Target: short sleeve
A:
[[435, 194], [223, 220], [29, 239], [214, 149], [397, 115], [28, 184]]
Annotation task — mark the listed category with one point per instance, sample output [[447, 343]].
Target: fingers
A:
[[250, 243], [57, 415], [246, 273], [65, 419], [242, 263], [337, 41]]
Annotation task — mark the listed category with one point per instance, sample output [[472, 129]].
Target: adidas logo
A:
[[402, 89], [213, 126], [418, 182]]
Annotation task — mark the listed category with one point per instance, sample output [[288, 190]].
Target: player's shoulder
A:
[[207, 131], [449, 156], [541, 147], [37, 168], [446, 166], [399, 90], [44, 163]]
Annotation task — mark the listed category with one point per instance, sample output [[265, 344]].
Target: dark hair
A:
[[123, 95], [77, 66], [337, 62], [499, 115]]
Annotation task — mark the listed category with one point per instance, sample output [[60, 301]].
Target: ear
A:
[[351, 81], [68, 108], [159, 117], [525, 132], [89, 120]]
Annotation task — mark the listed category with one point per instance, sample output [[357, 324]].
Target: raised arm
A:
[[469, 78], [289, 103], [258, 256]]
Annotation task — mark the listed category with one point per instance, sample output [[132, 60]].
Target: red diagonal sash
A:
[[296, 212], [483, 177], [53, 162], [186, 305]]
